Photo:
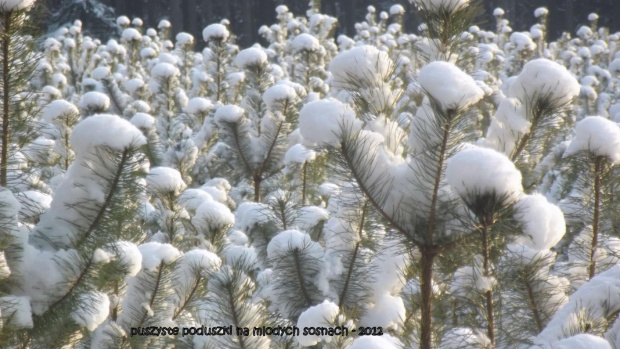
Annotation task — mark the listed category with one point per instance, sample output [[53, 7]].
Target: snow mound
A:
[[93, 309], [299, 154], [250, 57], [213, 215], [198, 105], [142, 121], [215, 32], [320, 315], [111, 130], [155, 253], [363, 64], [94, 100], [597, 135], [165, 179], [449, 85], [542, 78], [542, 221], [478, 171], [278, 93], [290, 240], [322, 121], [58, 108], [306, 42]]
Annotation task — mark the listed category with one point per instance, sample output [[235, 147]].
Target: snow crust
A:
[[449, 85]]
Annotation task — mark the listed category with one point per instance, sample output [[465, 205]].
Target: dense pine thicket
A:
[[452, 188]]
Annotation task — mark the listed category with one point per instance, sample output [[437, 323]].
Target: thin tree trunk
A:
[[6, 97]]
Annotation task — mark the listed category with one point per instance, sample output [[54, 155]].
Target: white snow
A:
[[306, 42], [165, 179], [16, 311], [449, 85], [447, 5], [215, 32], [143, 121], [397, 10], [290, 240], [184, 39], [277, 94], [479, 170], [541, 11], [192, 198], [299, 154], [92, 310], [322, 121], [229, 114], [251, 57], [542, 221], [597, 135], [127, 254], [320, 315], [542, 78], [58, 108], [155, 253], [111, 130], [197, 259], [94, 100], [584, 341], [211, 215], [365, 65], [131, 34], [199, 105], [15, 5]]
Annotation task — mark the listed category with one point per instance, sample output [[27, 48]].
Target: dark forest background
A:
[[246, 16]]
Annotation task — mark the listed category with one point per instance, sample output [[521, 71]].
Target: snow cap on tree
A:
[[322, 315], [438, 5], [480, 171], [542, 221], [542, 78], [215, 32], [251, 57], [450, 86], [322, 121], [365, 65], [110, 130], [597, 135], [165, 179], [15, 5]]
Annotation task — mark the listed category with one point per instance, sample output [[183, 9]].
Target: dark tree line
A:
[[246, 16]]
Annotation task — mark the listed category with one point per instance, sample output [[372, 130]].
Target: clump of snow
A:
[[184, 39], [251, 57], [542, 221], [215, 32], [299, 154], [584, 341], [165, 179], [397, 10], [228, 114], [306, 42], [522, 41], [322, 121], [15, 5], [320, 315], [58, 108], [211, 215], [437, 5], [93, 309], [128, 256], [110, 130], [155, 253], [541, 11], [16, 311], [198, 105], [464, 338], [123, 21], [198, 259], [363, 64], [290, 240], [477, 170], [597, 135], [143, 121], [131, 34], [542, 78], [94, 100], [192, 198], [449, 85], [277, 94]]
